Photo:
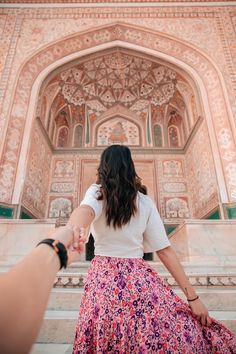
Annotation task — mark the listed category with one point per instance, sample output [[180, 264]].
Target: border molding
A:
[[115, 3]]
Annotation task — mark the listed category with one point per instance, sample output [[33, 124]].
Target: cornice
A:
[[115, 3], [135, 150]]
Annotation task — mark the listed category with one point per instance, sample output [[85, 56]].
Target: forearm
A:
[[170, 260], [82, 216], [22, 313]]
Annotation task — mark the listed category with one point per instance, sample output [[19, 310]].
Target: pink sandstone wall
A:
[[203, 38], [35, 192], [164, 177], [174, 201], [201, 178]]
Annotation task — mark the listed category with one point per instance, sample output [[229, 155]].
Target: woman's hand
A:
[[200, 311], [73, 239]]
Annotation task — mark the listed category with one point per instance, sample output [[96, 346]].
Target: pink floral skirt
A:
[[127, 308]]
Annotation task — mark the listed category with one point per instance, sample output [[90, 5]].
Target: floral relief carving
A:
[[173, 168], [224, 137], [231, 172], [118, 78], [64, 168], [130, 35], [177, 208], [173, 187], [60, 207], [62, 187]]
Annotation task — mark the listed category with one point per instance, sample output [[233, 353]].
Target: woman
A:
[[126, 307]]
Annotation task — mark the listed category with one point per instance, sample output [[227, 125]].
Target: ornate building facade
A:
[[77, 77]]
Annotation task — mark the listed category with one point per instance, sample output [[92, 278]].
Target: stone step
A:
[[214, 298], [50, 348], [59, 326], [209, 277]]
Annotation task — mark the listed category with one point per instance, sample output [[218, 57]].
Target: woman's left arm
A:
[[170, 260]]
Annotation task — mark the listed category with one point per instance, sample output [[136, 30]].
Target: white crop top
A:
[[144, 233]]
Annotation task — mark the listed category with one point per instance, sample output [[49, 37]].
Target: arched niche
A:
[[209, 83], [78, 136], [137, 84], [157, 135], [173, 136], [118, 130], [62, 137]]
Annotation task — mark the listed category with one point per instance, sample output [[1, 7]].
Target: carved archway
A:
[[203, 70]]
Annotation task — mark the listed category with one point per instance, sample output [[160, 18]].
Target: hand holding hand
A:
[[200, 311], [73, 240]]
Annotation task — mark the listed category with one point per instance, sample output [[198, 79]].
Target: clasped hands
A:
[[73, 237]]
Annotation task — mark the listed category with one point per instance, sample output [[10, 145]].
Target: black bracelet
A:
[[190, 300], [59, 248]]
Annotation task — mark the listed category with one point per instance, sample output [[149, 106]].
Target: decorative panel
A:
[[118, 131], [177, 208], [37, 177], [63, 168], [201, 174], [60, 207]]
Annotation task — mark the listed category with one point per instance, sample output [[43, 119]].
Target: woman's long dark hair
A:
[[120, 185]]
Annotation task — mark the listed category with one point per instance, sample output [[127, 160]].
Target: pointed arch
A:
[[62, 137], [157, 135], [199, 66], [78, 136]]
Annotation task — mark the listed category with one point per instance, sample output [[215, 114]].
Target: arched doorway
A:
[[205, 76], [121, 96]]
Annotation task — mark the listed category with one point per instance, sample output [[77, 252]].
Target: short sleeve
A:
[[91, 200], [154, 237]]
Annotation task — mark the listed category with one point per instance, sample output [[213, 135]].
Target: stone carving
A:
[[175, 187], [224, 138], [173, 168], [231, 173], [64, 280], [62, 187], [60, 207], [118, 78], [64, 168], [180, 50], [201, 175], [37, 180], [177, 208], [118, 131]]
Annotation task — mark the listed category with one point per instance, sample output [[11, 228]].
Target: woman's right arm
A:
[[79, 221], [82, 217], [170, 260]]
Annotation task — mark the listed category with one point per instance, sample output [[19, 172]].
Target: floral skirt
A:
[[127, 308]]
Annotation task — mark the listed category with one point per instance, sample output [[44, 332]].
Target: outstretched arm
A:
[[24, 294], [170, 260], [79, 221]]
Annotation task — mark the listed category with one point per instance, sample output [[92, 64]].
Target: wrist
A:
[[59, 249], [193, 299], [49, 257]]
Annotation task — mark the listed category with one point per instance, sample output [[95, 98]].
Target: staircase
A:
[[216, 288], [206, 248]]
